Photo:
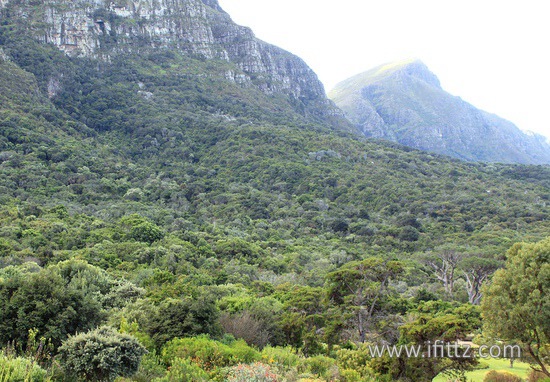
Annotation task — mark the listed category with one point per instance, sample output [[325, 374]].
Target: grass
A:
[[520, 369]]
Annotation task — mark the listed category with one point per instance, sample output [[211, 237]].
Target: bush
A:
[[151, 367], [245, 326], [184, 317], [146, 232], [501, 376], [101, 355], [357, 359], [284, 357], [20, 370], [256, 372], [209, 354], [350, 375], [183, 370], [537, 376], [72, 305], [320, 365]]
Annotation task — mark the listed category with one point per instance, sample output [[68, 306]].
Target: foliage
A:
[[355, 359], [183, 370], [361, 288], [536, 376], [184, 317], [101, 355], [208, 353], [502, 376], [69, 307], [320, 365], [284, 357], [256, 372], [19, 369], [516, 308], [213, 208]]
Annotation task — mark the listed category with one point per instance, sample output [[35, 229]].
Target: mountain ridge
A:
[[405, 103], [101, 29]]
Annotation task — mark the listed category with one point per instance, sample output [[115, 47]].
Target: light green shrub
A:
[[101, 355], [285, 357], [183, 370], [18, 369], [320, 365], [357, 359], [209, 354]]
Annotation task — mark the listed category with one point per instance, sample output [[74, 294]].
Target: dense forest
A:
[[160, 223]]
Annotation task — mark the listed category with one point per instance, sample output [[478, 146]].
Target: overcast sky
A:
[[493, 54]]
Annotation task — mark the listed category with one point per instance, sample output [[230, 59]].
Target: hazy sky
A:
[[493, 54]]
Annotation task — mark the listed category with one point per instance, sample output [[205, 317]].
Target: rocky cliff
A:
[[404, 103], [199, 28]]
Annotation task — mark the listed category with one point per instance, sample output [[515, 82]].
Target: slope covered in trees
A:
[[228, 231]]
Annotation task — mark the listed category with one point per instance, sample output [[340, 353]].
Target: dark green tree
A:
[[360, 290], [516, 305]]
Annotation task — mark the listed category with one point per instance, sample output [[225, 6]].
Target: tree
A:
[[516, 305], [476, 271], [430, 324], [303, 316], [359, 288], [102, 354], [45, 302], [444, 265], [184, 317]]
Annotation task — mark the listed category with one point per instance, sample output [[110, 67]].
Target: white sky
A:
[[493, 54]]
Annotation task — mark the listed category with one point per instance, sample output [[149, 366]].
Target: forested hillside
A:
[[216, 231]]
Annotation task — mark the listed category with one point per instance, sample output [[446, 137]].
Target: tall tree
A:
[[516, 305], [476, 270], [444, 265], [359, 289]]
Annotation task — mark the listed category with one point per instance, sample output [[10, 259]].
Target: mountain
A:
[[405, 103], [144, 188], [163, 131], [196, 29]]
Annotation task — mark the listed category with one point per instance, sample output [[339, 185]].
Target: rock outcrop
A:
[[102, 28], [404, 103]]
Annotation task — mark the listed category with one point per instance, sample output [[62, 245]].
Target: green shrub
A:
[[146, 232], [349, 375], [150, 367], [501, 376], [183, 370], [209, 354], [18, 369], [72, 303], [101, 355], [285, 357], [176, 318], [320, 365], [357, 360]]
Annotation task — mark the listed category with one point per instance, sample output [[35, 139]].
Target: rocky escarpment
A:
[[102, 28], [404, 103]]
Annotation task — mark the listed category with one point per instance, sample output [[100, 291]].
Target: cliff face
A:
[[102, 28], [405, 103]]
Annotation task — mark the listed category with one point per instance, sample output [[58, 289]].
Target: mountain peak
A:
[[418, 70], [404, 102], [412, 69]]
